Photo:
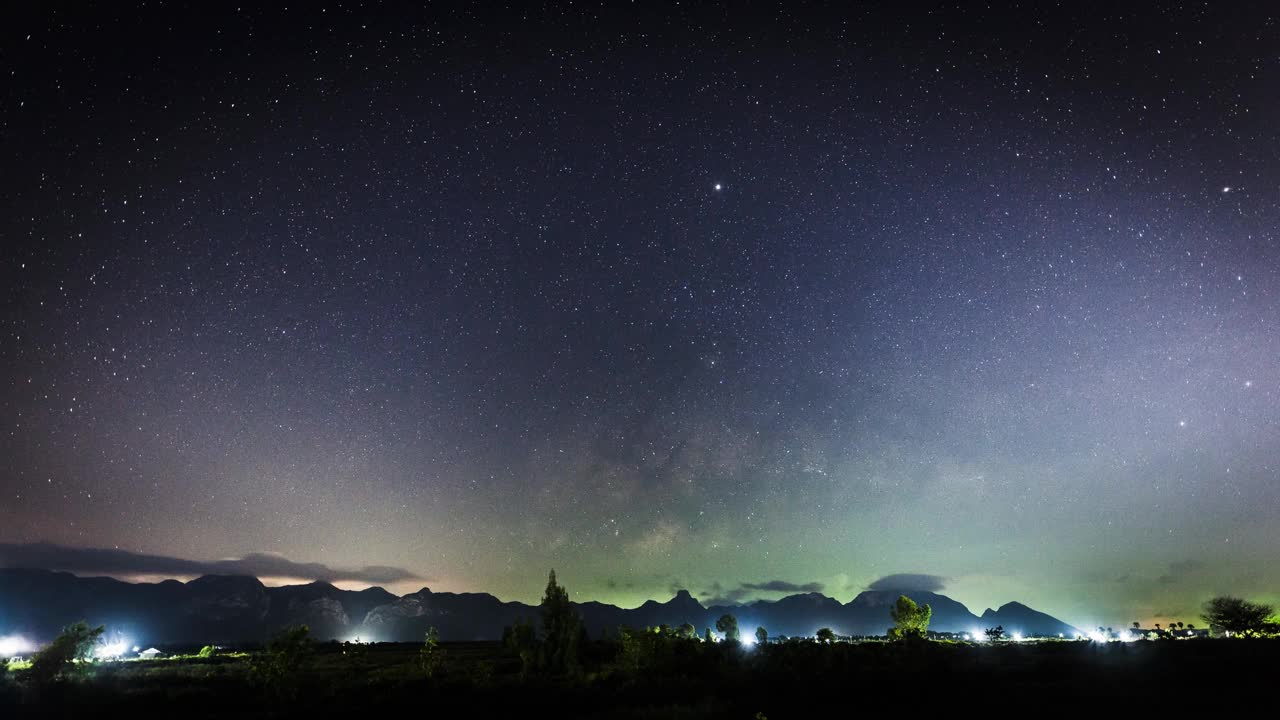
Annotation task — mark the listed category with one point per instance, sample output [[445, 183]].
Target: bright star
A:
[[718, 186]]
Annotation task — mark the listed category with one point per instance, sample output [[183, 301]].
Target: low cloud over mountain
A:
[[719, 595], [122, 562], [784, 586], [910, 581]]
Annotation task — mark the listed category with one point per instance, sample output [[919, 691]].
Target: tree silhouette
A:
[[826, 636], [762, 636], [522, 640], [59, 658], [995, 634], [728, 625], [909, 619], [1236, 616], [561, 629]]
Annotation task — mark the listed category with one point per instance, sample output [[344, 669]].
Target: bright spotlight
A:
[[14, 645], [110, 651], [1017, 637], [1097, 637]]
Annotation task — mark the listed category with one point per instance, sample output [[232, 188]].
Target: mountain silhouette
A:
[[1018, 618], [235, 609]]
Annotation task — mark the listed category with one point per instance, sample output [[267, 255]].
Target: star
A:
[[719, 187]]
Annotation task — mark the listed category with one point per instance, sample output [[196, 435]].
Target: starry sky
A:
[[744, 300]]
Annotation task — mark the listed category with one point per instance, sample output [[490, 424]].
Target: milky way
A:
[[738, 302]]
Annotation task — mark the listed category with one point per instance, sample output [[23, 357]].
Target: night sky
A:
[[738, 300]]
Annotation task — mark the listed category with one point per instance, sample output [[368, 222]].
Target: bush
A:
[[431, 655], [278, 667]]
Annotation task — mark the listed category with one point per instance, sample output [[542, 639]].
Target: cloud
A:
[[1179, 570], [784, 586], [720, 595], [122, 562], [910, 581]]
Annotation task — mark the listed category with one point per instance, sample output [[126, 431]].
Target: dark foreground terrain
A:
[[681, 681]]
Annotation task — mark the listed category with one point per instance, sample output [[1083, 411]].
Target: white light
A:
[[978, 636], [106, 651], [748, 639], [1226, 189], [1126, 636], [14, 645], [1097, 637], [967, 636], [1017, 637], [718, 187]]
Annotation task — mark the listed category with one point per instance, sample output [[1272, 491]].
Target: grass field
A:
[[777, 681]]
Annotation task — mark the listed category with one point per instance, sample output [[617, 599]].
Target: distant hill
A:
[[1018, 618], [230, 608]]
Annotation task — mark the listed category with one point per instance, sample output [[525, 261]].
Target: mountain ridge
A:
[[240, 608]]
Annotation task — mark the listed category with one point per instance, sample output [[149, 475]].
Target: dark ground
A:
[[779, 681]]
